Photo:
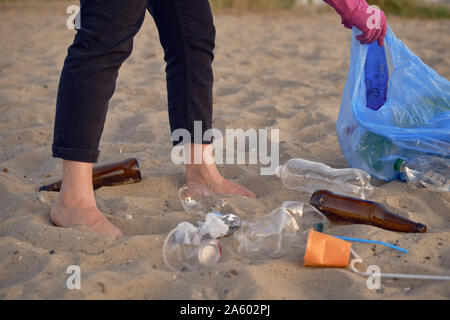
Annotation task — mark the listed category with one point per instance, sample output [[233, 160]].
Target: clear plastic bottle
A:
[[308, 176], [427, 171], [281, 230], [186, 248]]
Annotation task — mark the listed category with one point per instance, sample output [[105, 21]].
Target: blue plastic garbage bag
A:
[[414, 119]]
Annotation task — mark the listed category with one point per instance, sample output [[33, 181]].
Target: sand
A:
[[283, 70]]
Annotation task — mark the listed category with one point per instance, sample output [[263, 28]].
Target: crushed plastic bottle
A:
[[275, 234], [427, 171], [308, 176], [188, 247]]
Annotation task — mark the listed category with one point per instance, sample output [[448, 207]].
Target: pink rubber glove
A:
[[357, 13]]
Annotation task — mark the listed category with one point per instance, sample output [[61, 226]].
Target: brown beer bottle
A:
[[110, 174], [343, 208]]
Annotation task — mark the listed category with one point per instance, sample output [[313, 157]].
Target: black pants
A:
[[102, 44]]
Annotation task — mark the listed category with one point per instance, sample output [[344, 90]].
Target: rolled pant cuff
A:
[[181, 142], [75, 154]]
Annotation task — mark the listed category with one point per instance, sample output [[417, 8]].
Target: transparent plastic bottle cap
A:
[[209, 254]]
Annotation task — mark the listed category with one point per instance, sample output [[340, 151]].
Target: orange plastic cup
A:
[[323, 250]]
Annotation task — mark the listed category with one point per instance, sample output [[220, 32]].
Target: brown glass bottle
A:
[[343, 208], [110, 174]]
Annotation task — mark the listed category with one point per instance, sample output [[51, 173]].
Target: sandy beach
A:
[[282, 70]]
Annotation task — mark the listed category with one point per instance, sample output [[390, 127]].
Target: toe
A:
[[106, 228], [247, 193]]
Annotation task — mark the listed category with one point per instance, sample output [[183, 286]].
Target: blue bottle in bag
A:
[[414, 119], [376, 76]]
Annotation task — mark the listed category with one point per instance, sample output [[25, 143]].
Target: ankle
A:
[[76, 198], [77, 185], [202, 171]]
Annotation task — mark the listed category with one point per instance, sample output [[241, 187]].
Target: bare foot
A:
[[76, 201], [207, 174], [220, 185], [69, 215]]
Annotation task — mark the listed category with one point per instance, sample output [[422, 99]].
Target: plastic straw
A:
[[393, 275], [374, 241]]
